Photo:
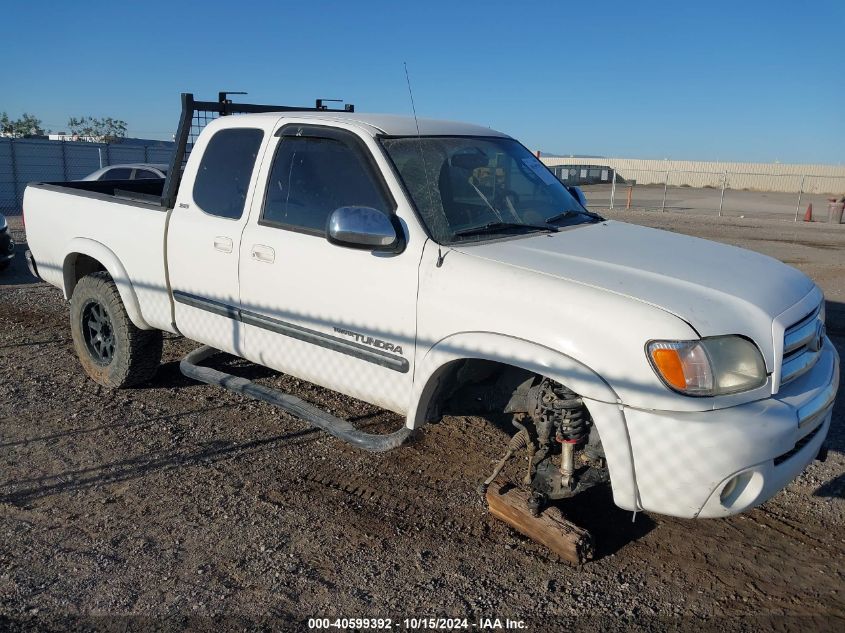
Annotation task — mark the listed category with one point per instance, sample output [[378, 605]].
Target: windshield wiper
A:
[[495, 227], [569, 213]]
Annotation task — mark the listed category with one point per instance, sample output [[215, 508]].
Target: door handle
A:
[[223, 244], [263, 253]]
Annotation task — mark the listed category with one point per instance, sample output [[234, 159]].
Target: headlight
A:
[[709, 367]]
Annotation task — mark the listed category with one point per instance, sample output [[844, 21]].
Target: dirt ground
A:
[[180, 506]]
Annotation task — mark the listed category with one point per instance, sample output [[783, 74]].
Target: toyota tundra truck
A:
[[438, 268]]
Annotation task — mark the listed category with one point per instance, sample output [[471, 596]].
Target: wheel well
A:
[[552, 424], [473, 386], [491, 389], [77, 266]]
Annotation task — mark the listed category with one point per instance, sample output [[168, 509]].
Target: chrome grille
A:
[[800, 349]]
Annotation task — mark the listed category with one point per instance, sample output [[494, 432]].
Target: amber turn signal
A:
[[668, 363]]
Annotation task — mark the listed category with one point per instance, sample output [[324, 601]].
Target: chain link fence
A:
[[38, 160], [727, 193], [730, 194]]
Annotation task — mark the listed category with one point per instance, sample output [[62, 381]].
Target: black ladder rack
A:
[[197, 114]]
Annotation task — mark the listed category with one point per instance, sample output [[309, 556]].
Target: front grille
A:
[[799, 346], [799, 445]]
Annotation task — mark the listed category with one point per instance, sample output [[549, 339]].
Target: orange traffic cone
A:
[[808, 216]]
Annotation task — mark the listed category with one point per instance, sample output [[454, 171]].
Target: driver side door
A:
[[339, 317]]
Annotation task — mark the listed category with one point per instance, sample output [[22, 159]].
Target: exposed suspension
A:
[[561, 425], [558, 410], [561, 409], [564, 458]]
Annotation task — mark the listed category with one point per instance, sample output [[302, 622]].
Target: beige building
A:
[[783, 177]]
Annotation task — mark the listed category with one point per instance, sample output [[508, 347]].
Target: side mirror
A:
[[578, 195], [364, 228]]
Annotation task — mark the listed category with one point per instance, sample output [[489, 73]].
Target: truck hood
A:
[[716, 288]]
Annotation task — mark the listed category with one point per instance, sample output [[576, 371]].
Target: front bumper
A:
[[721, 462]]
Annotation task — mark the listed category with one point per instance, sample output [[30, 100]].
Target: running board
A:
[[330, 424]]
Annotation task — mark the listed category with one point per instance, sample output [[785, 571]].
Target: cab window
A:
[[312, 176], [225, 171]]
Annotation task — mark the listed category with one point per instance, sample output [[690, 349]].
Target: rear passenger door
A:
[[204, 235], [335, 316]]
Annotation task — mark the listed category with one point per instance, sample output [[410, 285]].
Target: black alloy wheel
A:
[[99, 333]]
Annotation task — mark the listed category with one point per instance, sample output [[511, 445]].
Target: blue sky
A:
[[747, 81]]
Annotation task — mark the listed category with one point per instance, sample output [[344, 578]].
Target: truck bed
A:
[[120, 223], [146, 190]]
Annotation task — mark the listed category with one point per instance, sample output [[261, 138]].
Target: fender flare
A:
[[601, 400], [508, 350], [114, 267]]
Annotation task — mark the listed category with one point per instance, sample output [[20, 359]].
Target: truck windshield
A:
[[476, 188]]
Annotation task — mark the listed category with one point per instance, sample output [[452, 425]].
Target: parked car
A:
[[436, 268], [584, 174], [131, 171], [7, 244]]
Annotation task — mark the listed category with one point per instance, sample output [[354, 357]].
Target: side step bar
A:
[[330, 424]]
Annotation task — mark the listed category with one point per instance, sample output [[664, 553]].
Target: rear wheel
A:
[[112, 350]]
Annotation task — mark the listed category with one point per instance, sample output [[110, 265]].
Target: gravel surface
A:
[[181, 506]]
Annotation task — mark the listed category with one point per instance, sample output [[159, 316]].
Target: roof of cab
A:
[[392, 124]]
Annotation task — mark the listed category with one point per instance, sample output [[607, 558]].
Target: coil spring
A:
[[574, 417], [565, 410]]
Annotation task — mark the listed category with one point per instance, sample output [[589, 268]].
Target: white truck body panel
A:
[[715, 287], [578, 306], [203, 252], [336, 292], [99, 225]]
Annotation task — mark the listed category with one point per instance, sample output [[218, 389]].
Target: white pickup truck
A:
[[437, 268]]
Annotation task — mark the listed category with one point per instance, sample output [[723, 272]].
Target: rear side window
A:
[[120, 173], [225, 171], [145, 174], [313, 176]]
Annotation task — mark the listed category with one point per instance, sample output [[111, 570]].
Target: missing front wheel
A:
[[562, 447]]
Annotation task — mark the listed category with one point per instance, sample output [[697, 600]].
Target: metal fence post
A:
[[15, 183], [613, 189], [64, 161], [722, 197], [665, 187], [100, 156], [800, 191]]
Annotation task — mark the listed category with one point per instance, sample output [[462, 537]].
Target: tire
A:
[[112, 351]]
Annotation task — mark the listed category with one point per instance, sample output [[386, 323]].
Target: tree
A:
[[102, 129], [27, 125]]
